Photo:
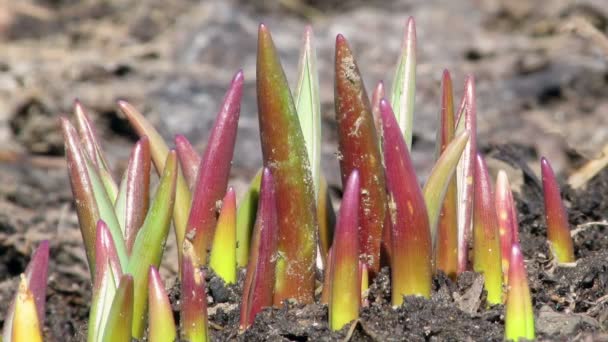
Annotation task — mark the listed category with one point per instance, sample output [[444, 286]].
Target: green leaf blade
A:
[[150, 241], [308, 105], [404, 84]]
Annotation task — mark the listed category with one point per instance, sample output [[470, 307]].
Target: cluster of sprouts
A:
[[283, 229]]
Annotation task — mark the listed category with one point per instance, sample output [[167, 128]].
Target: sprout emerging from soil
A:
[[25, 316], [258, 289], [411, 237], [359, 148], [486, 239], [558, 231], [446, 252], [519, 316], [345, 281], [284, 153], [160, 315]]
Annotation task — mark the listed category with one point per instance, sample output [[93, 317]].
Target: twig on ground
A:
[[585, 29], [584, 226], [581, 176]]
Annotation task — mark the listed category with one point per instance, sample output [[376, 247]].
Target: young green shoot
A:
[[345, 282], [150, 242], [90, 196], [308, 105], [160, 315], [107, 274], [486, 239], [120, 317], [92, 149], [404, 84], [519, 315], [437, 184], [133, 196], [159, 152]]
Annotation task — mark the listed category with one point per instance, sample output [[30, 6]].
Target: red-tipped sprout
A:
[[507, 220], [284, 153], [91, 198], [134, 194], [486, 239], [519, 315], [194, 298], [411, 239], [189, 159], [223, 252], [92, 149], [107, 274], [82, 190], [160, 316], [558, 231], [259, 282], [35, 278], [465, 173], [159, 152], [88, 136], [446, 254], [150, 242], [360, 149], [214, 171], [345, 282], [36, 275], [308, 105]]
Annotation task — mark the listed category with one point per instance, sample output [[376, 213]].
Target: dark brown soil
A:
[[570, 301], [541, 91]]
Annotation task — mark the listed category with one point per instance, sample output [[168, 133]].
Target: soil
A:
[[542, 90]]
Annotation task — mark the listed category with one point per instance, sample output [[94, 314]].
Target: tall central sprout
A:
[[284, 153]]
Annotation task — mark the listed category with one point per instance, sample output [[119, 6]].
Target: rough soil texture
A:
[[542, 90]]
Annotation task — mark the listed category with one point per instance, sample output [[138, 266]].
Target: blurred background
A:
[[542, 89]]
